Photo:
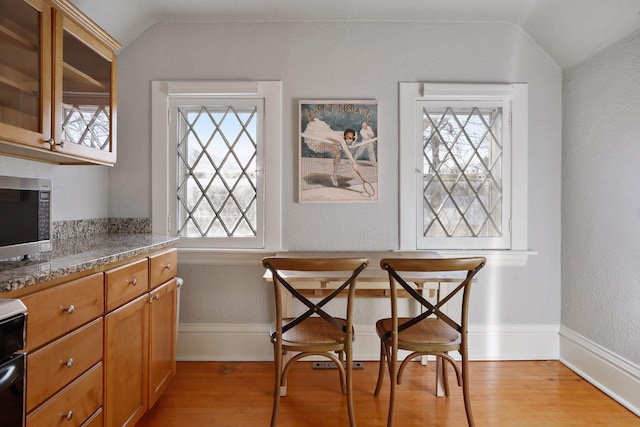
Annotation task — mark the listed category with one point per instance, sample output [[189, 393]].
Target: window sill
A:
[[495, 258], [209, 256], [206, 256]]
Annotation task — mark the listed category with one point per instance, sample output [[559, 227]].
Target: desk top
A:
[[371, 275]]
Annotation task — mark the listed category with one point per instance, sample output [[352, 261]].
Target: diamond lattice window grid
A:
[[462, 172], [217, 171]]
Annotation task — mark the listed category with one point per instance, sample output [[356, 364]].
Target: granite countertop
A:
[[75, 255]]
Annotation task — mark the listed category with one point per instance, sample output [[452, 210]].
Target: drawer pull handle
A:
[[68, 415], [70, 309], [156, 297], [69, 363], [166, 267], [133, 282]]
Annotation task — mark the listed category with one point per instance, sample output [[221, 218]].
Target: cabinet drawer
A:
[[163, 267], [73, 405], [126, 283], [96, 419], [56, 311], [62, 361]]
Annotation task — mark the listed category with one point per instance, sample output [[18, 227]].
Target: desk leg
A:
[[441, 374], [440, 377], [286, 305]]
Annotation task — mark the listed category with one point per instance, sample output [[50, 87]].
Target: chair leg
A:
[[465, 390], [277, 359], [349, 380], [343, 378], [392, 361], [383, 361]]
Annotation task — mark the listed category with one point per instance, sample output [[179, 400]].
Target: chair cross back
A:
[[314, 264], [429, 307]]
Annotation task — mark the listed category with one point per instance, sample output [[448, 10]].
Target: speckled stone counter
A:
[[75, 255]]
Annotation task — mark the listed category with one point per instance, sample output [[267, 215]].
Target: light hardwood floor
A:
[[514, 394]]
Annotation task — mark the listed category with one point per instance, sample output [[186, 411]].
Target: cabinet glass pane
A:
[[86, 88], [20, 65]]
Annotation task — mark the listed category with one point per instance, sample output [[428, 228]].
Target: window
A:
[[212, 144], [463, 166]]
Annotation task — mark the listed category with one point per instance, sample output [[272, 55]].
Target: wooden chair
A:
[[432, 332], [314, 332]]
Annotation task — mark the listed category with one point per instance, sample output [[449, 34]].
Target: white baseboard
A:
[[514, 342], [224, 342], [615, 376], [250, 342]]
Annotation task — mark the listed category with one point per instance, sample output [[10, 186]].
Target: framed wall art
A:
[[338, 151]]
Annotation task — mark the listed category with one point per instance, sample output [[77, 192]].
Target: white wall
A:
[[601, 199], [79, 192], [601, 221], [348, 61]]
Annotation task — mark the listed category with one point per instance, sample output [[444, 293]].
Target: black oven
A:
[[13, 324]]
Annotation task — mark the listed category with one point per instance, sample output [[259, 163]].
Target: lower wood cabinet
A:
[[59, 363], [126, 357], [101, 349], [96, 420], [74, 404], [64, 352], [140, 339], [57, 311], [162, 338]]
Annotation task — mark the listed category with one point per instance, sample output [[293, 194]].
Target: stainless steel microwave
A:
[[25, 216]]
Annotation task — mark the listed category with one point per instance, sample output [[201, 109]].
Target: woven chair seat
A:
[[429, 331], [314, 330]]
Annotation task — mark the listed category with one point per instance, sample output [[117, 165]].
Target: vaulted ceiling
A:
[[568, 30]]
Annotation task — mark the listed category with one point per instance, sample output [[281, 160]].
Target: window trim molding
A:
[[271, 92], [412, 92]]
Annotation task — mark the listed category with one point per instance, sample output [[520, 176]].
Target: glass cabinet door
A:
[[84, 87], [25, 72]]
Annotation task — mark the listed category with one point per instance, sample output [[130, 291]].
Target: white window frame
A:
[[410, 94], [164, 162]]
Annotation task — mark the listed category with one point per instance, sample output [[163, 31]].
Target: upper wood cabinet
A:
[[84, 93], [25, 73], [67, 74]]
